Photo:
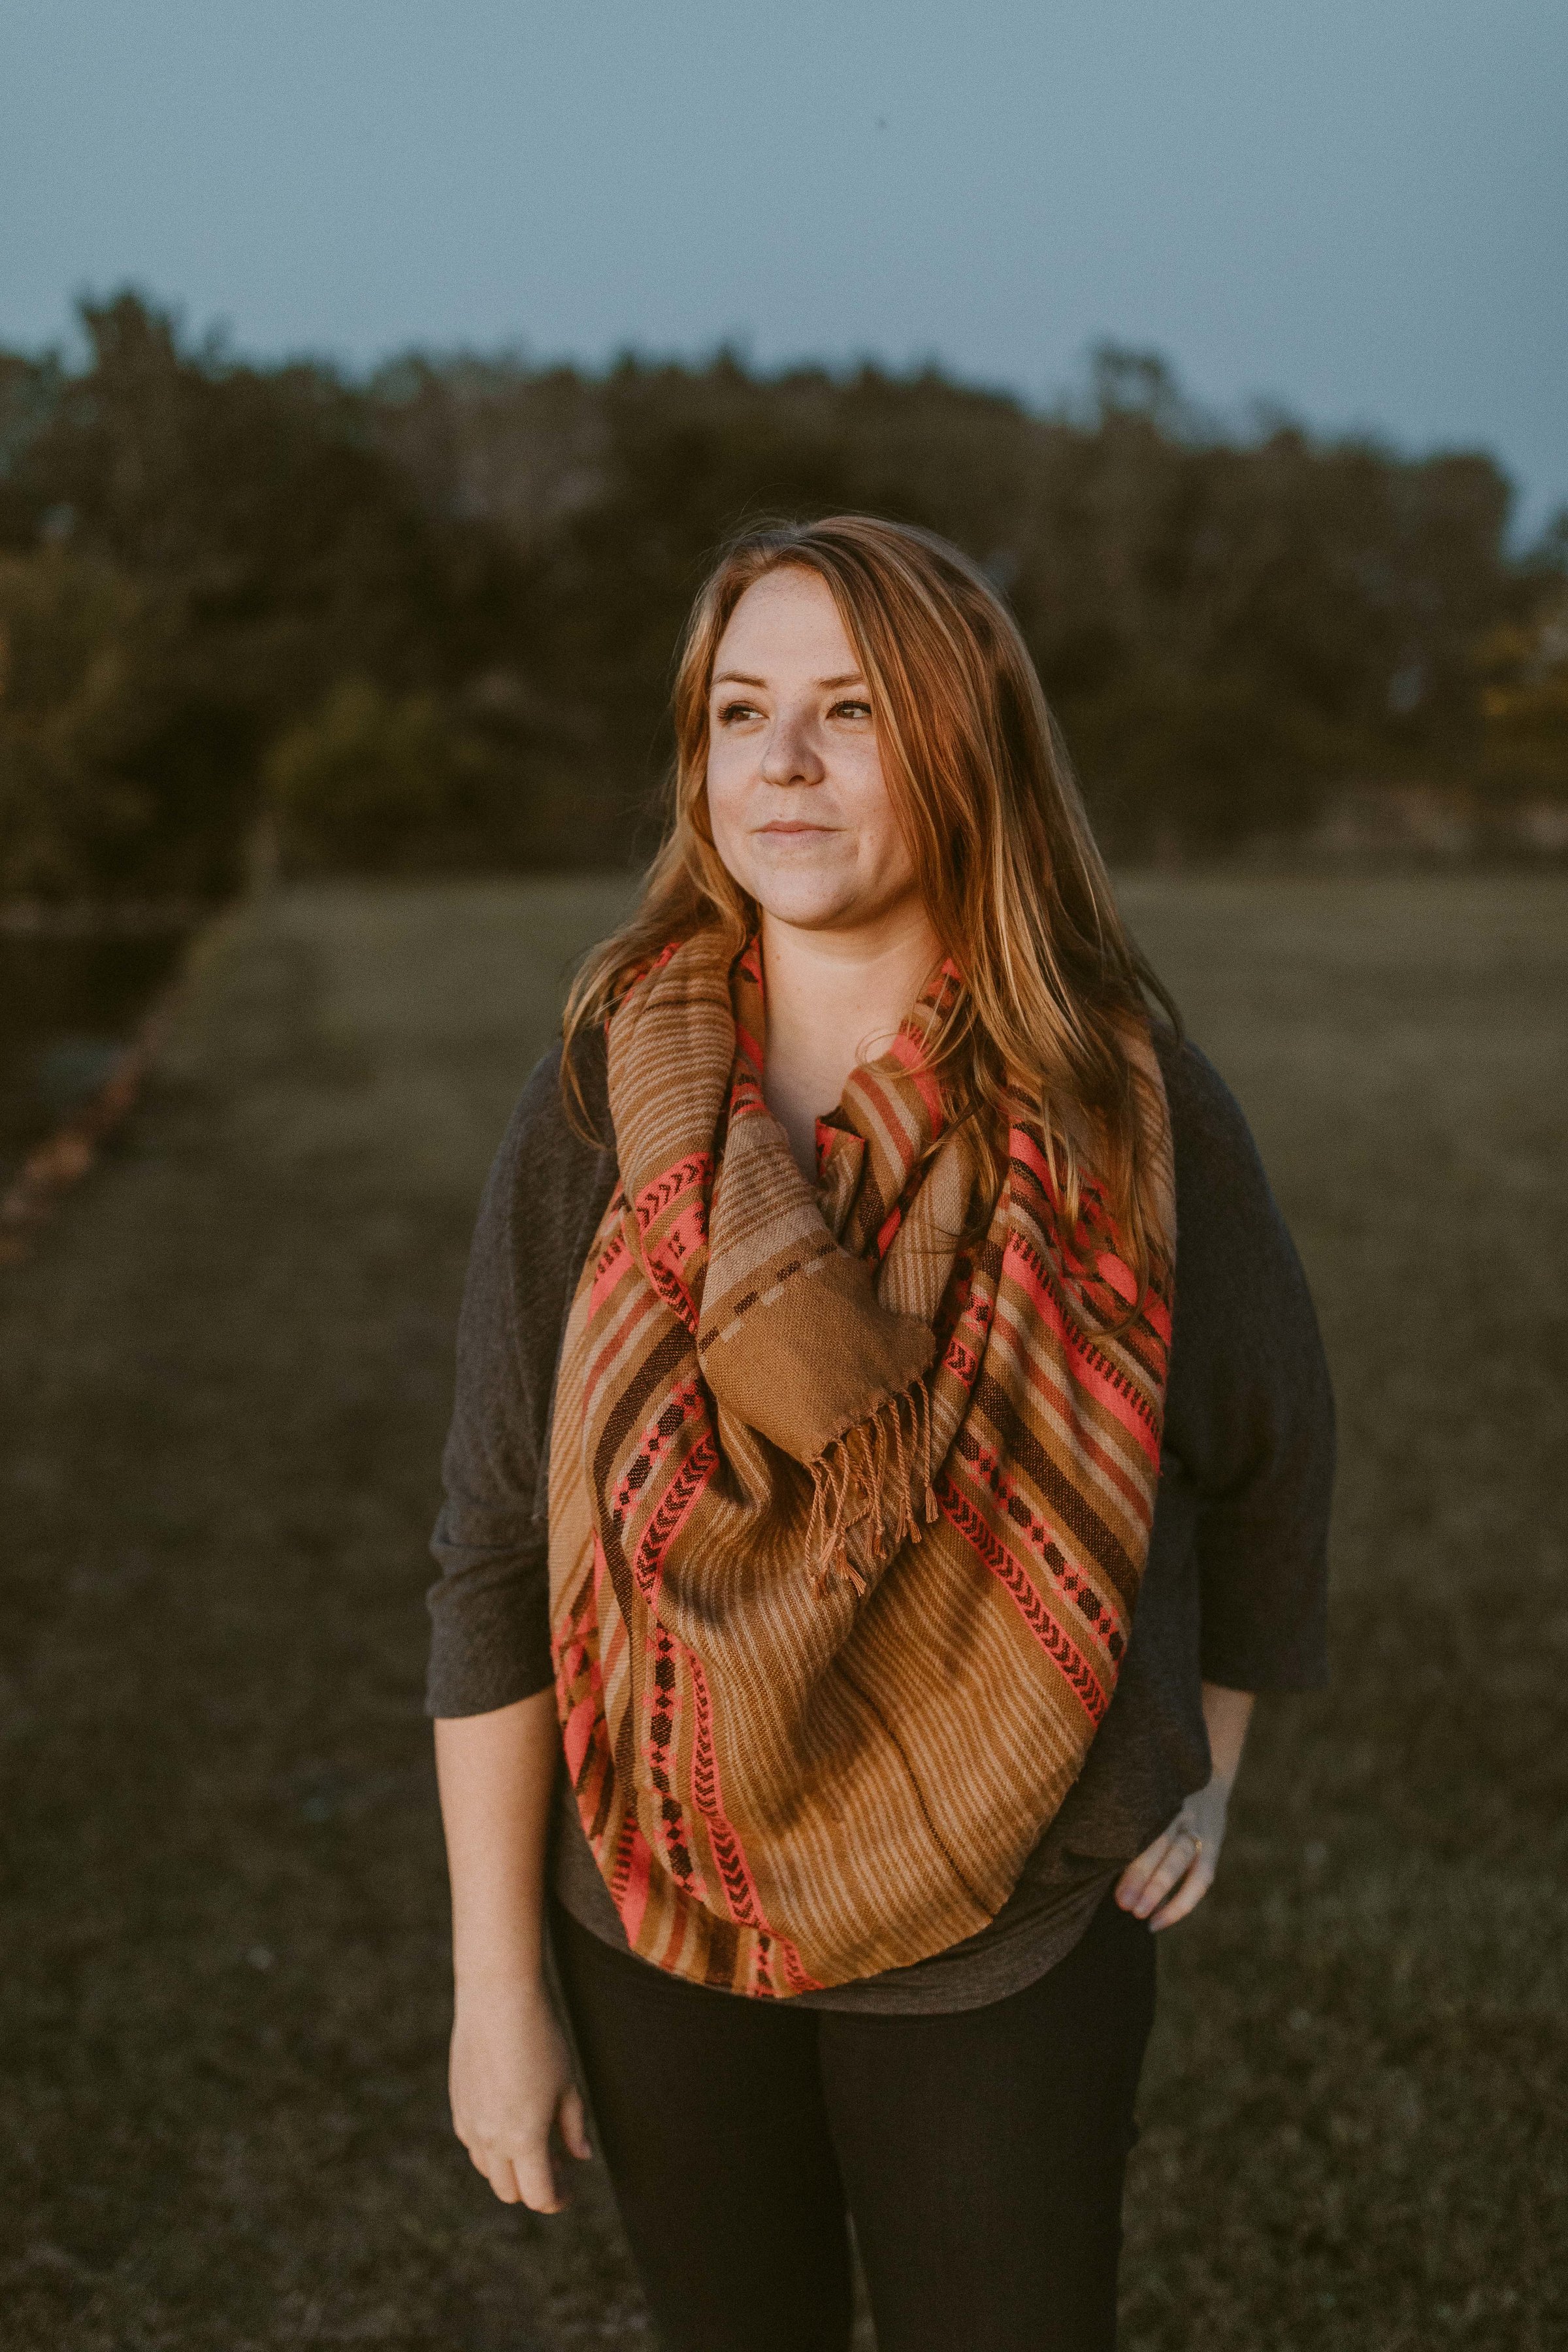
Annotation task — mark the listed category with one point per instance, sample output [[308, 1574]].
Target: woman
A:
[[889, 1300]]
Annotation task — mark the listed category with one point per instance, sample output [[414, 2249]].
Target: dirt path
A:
[[224, 1378]]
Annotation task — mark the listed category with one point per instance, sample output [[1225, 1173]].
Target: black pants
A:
[[981, 2155]]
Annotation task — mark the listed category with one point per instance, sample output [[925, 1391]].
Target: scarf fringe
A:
[[872, 1490]]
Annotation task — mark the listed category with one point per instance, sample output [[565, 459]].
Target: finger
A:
[[1172, 1866], [497, 2170], [1188, 1893], [575, 2126], [535, 2177], [1141, 1869], [1142, 1872]]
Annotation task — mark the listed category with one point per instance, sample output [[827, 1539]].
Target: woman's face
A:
[[797, 798]]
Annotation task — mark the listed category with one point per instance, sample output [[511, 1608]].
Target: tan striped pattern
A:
[[847, 1512]]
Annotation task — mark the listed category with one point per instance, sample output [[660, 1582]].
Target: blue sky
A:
[[1358, 209]]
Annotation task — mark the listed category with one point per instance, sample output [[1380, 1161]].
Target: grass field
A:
[[223, 1378]]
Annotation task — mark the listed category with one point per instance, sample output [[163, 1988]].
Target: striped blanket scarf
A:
[[851, 1488]]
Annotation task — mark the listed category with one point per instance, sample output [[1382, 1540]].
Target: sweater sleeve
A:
[[490, 1609], [1249, 1409]]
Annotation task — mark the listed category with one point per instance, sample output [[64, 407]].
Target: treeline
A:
[[427, 620]]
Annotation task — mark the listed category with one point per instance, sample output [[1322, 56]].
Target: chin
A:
[[808, 908], [803, 892]]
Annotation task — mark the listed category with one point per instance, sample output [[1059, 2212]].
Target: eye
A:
[[730, 712], [852, 707]]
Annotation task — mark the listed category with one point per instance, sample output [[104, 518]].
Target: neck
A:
[[835, 999]]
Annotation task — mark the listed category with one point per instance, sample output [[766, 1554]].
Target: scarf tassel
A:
[[872, 1490]]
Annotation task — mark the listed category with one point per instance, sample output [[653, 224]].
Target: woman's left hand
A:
[[1171, 1877]]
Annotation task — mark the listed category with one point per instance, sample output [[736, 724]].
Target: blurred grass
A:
[[223, 1379]]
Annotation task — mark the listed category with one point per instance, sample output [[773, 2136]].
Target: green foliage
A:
[[376, 780], [1523, 667], [113, 764], [435, 612], [263, 549]]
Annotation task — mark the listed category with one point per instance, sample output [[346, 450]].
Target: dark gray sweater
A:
[[1235, 1588]]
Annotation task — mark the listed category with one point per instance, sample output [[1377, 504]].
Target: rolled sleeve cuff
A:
[[490, 1643], [1238, 1668]]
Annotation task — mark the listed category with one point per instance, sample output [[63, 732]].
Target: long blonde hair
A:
[[1014, 884]]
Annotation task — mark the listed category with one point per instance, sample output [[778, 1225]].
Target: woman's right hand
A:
[[511, 2087]]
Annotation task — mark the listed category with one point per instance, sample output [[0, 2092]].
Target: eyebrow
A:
[[740, 677]]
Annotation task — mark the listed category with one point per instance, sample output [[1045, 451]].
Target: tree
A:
[[434, 615]]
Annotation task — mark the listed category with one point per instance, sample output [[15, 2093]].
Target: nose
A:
[[790, 755]]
